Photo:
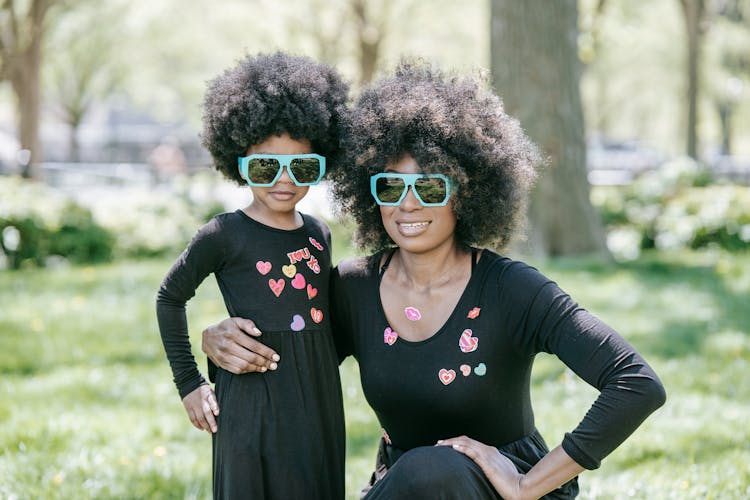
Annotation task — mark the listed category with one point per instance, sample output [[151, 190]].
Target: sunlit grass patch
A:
[[89, 410]]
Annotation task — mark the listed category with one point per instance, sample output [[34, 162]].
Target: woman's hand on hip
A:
[[231, 346], [501, 472]]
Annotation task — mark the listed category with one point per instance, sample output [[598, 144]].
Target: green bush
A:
[[38, 223], [674, 207]]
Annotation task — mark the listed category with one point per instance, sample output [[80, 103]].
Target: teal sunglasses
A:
[[264, 170], [390, 188]]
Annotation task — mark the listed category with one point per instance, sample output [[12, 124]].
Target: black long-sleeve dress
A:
[[472, 377], [280, 433]]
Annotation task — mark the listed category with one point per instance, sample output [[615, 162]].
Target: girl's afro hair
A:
[[267, 95], [450, 125]]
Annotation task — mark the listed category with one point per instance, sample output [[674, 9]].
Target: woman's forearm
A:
[[552, 471]]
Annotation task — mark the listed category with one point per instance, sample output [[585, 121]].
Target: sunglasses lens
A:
[[389, 189], [262, 170], [305, 170], [431, 189]]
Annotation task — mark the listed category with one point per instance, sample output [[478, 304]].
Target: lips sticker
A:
[[474, 313], [263, 267], [389, 336], [446, 376], [277, 286], [412, 313], [467, 343]]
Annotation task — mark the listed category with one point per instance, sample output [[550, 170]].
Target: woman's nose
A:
[[410, 202]]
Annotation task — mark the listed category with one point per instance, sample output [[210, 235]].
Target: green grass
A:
[[88, 409]]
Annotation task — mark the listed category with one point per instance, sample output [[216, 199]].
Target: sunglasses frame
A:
[[409, 181], [285, 161]]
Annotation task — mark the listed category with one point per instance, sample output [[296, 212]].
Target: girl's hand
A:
[[231, 346], [501, 472], [202, 408]]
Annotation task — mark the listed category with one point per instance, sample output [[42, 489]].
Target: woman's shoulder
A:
[[509, 272]]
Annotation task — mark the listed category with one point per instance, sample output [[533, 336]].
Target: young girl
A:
[[271, 122]]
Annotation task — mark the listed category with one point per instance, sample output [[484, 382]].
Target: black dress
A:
[[472, 377], [280, 433]]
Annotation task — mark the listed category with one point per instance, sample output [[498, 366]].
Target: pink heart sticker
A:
[[389, 336], [311, 292], [446, 376], [315, 243], [465, 369], [263, 267], [474, 313], [467, 343], [412, 314], [276, 286], [298, 282], [298, 323], [316, 315]]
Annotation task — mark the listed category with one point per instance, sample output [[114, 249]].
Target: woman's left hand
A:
[[499, 469]]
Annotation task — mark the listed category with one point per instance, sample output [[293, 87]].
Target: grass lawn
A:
[[88, 409]]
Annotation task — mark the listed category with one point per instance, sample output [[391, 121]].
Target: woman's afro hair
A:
[[267, 95], [450, 125]]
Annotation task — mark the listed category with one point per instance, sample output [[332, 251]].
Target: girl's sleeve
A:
[[203, 256], [548, 320], [341, 313]]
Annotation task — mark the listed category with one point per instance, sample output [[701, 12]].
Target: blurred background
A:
[[643, 213]]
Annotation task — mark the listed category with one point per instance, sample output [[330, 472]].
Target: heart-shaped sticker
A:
[[276, 285], [311, 292], [465, 369], [480, 369], [289, 271], [446, 376], [389, 336], [298, 323], [316, 315], [299, 282], [263, 267], [467, 343], [474, 313]]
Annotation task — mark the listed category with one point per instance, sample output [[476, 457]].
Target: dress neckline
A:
[[459, 305]]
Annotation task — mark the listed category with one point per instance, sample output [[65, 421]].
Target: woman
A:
[[445, 332]]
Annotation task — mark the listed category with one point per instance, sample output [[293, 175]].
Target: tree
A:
[[89, 68], [695, 27], [21, 39], [535, 69]]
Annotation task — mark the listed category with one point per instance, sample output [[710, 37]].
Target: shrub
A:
[[674, 207], [38, 222]]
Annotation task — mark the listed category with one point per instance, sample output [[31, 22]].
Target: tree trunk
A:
[[535, 69], [26, 87], [693, 10], [22, 48]]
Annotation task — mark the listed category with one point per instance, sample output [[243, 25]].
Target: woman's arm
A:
[[552, 471], [231, 346]]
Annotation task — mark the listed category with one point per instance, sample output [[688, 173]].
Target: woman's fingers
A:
[[229, 344]]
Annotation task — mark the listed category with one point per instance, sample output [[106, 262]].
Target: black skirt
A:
[[281, 433], [442, 473]]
